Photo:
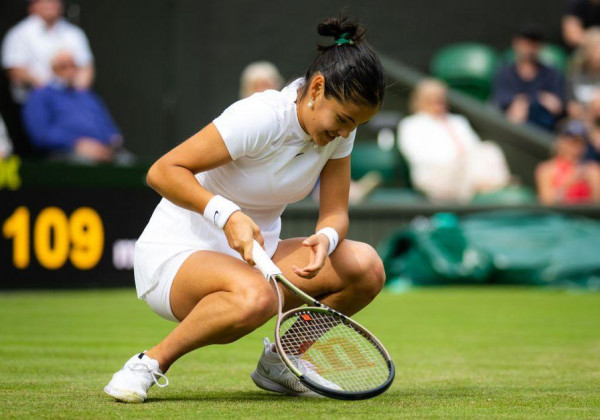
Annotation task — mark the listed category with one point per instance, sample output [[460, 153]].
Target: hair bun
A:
[[336, 27]]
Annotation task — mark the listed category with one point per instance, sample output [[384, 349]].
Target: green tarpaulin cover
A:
[[509, 247]]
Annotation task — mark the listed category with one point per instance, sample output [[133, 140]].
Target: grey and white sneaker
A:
[[272, 374], [132, 382]]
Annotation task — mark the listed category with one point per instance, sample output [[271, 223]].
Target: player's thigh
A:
[[207, 272], [352, 265]]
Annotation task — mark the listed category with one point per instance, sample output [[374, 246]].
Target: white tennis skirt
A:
[[171, 236]]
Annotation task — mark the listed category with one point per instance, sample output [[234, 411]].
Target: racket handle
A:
[[263, 262]]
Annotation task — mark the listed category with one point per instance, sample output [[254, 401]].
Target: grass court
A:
[[459, 352]]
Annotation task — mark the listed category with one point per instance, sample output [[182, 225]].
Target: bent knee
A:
[[368, 269], [255, 306]]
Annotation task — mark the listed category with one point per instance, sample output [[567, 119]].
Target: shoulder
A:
[[261, 108], [65, 25], [268, 106], [251, 124], [458, 118], [72, 31], [460, 121], [414, 120], [592, 168], [19, 30], [269, 98], [544, 168]]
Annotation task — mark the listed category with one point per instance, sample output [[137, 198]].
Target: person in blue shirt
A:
[[527, 90], [69, 122]]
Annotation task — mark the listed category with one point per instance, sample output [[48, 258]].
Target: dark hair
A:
[[531, 31], [351, 68]]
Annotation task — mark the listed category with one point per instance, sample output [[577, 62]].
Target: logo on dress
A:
[[215, 217]]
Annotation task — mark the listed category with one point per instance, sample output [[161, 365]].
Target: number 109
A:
[[56, 237]]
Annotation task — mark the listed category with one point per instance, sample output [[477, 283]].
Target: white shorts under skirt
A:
[[171, 236], [159, 298], [157, 264]]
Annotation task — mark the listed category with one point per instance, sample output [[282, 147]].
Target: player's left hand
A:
[[319, 245]]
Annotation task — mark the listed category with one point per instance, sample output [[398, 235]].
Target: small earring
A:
[[311, 105]]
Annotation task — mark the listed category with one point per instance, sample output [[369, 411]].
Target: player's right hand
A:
[[240, 231]]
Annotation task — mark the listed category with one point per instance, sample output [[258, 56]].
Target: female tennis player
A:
[[228, 185]]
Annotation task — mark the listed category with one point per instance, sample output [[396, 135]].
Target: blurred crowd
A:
[[449, 162], [50, 67]]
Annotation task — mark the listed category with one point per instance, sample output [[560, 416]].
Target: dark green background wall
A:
[[168, 67]]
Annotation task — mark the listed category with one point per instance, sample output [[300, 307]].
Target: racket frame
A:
[[315, 306]]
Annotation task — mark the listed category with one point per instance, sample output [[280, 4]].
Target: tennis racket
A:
[[330, 353]]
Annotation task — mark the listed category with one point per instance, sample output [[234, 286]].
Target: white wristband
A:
[[218, 210], [333, 237]]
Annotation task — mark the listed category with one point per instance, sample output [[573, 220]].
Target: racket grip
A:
[[263, 262]]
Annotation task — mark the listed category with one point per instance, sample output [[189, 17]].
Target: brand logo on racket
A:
[[339, 354]]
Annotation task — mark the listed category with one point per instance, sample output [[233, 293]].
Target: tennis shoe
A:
[[272, 374], [310, 370], [132, 382]]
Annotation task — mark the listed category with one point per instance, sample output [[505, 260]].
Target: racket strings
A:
[[327, 348]]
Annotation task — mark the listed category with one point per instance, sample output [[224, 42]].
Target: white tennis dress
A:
[[274, 163]]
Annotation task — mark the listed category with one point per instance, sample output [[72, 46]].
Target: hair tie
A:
[[344, 39]]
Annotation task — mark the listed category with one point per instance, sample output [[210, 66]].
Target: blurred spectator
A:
[[447, 159], [581, 15], [584, 73], [566, 178], [258, 77], [592, 125], [526, 90], [29, 47], [5, 143], [69, 122]]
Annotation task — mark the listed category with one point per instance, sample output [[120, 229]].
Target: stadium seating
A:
[[367, 156], [470, 67], [467, 67]]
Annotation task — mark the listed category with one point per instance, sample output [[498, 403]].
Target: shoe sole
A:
[[125, 396], [268, 385]]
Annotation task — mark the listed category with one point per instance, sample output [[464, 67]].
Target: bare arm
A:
[[335, 186], [333, 213], [572, 30], [543, 179], [172, 176]]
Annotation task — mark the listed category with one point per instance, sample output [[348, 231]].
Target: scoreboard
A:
[[65, 226]]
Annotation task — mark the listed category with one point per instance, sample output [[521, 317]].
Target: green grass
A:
[[510, 353]]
